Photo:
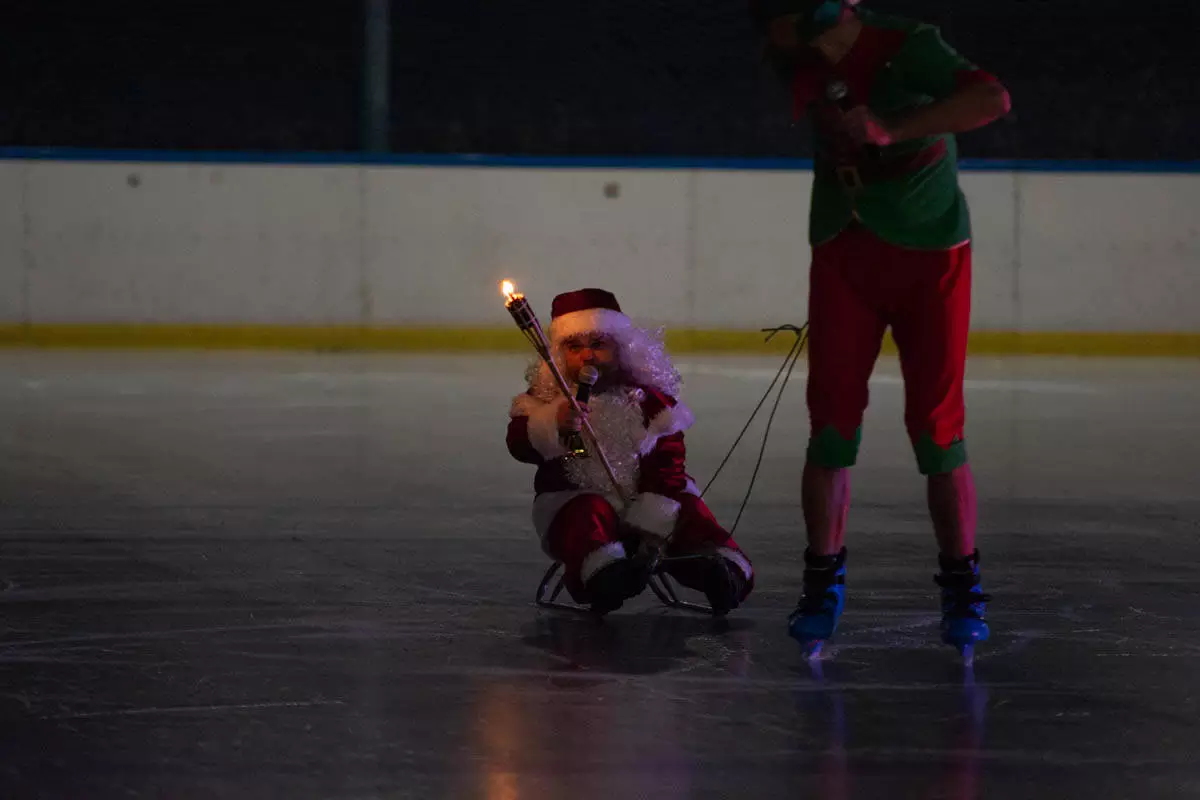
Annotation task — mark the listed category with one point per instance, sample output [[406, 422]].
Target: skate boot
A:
[[816, 616], [613, 584], [963, 604]]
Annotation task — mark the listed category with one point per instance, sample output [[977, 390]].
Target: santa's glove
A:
[[654, 516], [651, 550], [644, 548]]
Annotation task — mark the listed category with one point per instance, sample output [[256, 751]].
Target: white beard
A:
[[617, 419]]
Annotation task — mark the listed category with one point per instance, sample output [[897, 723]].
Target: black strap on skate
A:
[[962, 598], [818, 585], [785, 371], [813, 601]]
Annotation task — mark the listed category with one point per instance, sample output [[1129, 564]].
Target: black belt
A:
[[857, 174]]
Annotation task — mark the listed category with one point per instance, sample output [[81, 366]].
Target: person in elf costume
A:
[[606, 549], [891, 247]]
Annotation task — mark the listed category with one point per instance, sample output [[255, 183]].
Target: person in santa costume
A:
[[640, 423]]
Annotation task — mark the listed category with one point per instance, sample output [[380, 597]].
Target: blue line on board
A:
[[560, 162]]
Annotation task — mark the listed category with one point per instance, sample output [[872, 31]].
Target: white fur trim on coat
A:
[[593, 320], [668, 422], [653, 513], [600, 558], [543, 428], [525, 403], [738, 558]]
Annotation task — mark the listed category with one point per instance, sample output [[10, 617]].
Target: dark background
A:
[[1090, 80]]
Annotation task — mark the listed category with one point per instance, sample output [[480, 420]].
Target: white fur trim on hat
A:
[[543, 430], [653, 513], [668, 422], [592, 320], [600, 558]]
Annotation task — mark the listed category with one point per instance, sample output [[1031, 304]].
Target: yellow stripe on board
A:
[[264, 337], [508, 339]]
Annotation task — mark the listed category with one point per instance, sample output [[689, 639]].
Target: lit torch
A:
[[527, 321]]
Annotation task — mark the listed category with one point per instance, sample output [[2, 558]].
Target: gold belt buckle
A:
[[850, 177]]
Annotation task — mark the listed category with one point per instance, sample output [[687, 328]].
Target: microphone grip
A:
[[573, 441], [838, 93], [583, 393]]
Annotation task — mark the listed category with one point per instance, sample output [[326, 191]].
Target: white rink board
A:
[[13, 267], [396, 245], [194, 243]]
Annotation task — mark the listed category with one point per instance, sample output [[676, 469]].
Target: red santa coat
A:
[[641, 431]]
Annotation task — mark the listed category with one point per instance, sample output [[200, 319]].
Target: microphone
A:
[[838, 93], [588, 375]]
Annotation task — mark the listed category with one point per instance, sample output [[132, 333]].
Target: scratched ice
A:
[[310, 576]]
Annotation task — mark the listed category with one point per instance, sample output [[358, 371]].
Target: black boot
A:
[[725, 585], [613, 584], [720, 579]]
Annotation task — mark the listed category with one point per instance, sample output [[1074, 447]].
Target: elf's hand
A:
[[864, 128]]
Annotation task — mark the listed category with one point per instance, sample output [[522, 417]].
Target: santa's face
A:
[[593, 349]]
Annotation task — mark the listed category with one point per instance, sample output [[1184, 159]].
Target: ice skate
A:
[[963, 605], [816, 616]]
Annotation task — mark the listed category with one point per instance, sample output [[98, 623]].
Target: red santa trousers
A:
[[588, 523]]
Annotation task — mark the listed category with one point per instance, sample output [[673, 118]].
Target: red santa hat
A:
[[643, 354], [586, 311]]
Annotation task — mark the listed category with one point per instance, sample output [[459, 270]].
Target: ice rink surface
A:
[[311, 576]]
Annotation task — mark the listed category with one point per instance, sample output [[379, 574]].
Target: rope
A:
[[785, 371]]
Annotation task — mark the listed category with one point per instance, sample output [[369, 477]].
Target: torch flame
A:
[[509, 290]]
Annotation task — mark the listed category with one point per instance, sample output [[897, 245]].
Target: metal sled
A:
[[660, 583]]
